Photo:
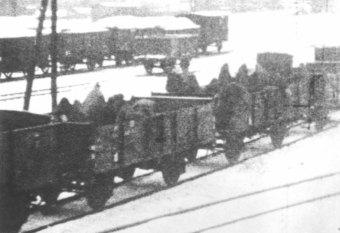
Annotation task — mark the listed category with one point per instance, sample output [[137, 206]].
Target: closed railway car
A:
[[165, 51], [213, 27]]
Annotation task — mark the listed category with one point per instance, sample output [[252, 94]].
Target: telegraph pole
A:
[[38, 42], [54, 46]]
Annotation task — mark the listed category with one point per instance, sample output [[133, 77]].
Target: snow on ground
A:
[[249, 34], [293, 190]]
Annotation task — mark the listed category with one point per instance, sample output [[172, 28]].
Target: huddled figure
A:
[[182, 84], [99, 112]]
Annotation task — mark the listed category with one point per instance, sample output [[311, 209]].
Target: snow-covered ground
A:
[[295, 189]]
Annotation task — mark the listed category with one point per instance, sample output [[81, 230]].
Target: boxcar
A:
[[165, 51], [214, 27]]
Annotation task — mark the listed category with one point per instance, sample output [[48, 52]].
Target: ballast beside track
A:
[[208, 163]]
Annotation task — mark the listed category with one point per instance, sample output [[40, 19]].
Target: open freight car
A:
[[121, 39], [158, 137], [39, 158], [277, 98], [43, 158], [81, 42], [17, 52]]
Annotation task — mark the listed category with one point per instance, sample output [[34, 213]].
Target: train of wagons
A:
[[162, 41], [41, 157]]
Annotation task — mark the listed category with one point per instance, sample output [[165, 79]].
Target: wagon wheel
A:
[[168, 69], [191, 154], [14, 210], [118, 61], [100, 62], [128, 62], [204, 48], [148, 66], [99, 191], [168, 65], [45, 69], [172, 168], [277, 134], [91, 64], [50, 196], [185, 63], [127, 173], [219, 46], [8, 75], [25, 73], [68, 67], [233, 148], [319, 115], [320, 124]]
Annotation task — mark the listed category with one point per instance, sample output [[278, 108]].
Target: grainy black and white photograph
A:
[[172, 116]]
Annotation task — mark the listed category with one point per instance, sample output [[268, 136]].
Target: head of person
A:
[[224, 76]]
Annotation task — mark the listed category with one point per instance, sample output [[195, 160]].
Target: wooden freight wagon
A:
[[166, 51], [82, 43], [213, 27], [157, 138], [39, 158], [17, 52]]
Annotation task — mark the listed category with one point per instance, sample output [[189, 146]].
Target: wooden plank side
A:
[[185, 129], [106, 144], [206, 124], [35, 158], [4, 156]]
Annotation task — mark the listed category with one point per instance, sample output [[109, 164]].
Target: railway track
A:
[[187, 177], [82, 70], [42, 92]]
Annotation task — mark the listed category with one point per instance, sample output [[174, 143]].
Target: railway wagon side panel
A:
[[186, 137], [73, 153], [153, 46], [16, 53], [77, 48], [332, 90], [106, 149], [168, 45], [41, 155], [206, 124], [257, 109], [139, 139], [34, 157], [4, 158]]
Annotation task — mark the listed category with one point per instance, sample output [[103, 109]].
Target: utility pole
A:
[[37, 49], [54, 47], [14, 7]]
